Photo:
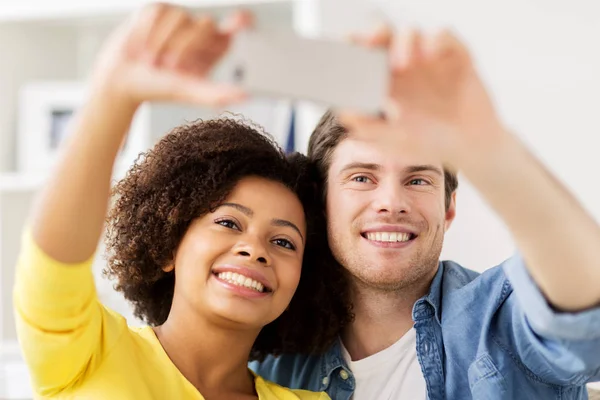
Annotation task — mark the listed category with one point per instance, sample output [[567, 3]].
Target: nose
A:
[[253, 248], [391, 198]]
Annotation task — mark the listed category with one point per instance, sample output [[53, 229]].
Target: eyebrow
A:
[[240, 208], [275, 221], [376, 167], [424, 168], [361, 165]]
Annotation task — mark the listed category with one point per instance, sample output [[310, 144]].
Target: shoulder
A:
[[470, 301], [457, 277], [482, 293]]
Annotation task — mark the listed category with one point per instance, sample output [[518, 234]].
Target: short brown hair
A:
[[329, 133]]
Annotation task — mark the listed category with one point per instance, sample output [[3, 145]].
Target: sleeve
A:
[[561, 347], [61, 326]]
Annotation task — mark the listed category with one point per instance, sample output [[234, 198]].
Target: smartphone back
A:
[[334, 74]]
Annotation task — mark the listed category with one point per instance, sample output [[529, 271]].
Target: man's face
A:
[[386, 213]]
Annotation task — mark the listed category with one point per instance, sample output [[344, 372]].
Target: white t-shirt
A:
[[393, 373]]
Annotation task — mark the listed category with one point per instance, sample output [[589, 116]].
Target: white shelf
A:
[[18, 182], [32, 10], [14, 377]]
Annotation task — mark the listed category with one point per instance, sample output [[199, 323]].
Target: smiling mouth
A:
[[389, 237], [243, 281]]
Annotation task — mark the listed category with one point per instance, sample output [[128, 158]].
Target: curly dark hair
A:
[[186, 175]]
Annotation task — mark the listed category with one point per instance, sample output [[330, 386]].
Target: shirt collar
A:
[[333, 359], [433, 298]]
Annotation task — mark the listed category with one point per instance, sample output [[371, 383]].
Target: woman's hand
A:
[[163, 53]]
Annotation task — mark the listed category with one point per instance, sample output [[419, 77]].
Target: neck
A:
[[196, 346], [381, 317]]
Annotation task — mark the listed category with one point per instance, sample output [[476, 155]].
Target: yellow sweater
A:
[[76, 348]]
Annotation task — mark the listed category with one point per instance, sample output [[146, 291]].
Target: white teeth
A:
[[388, 236], [241, 280]]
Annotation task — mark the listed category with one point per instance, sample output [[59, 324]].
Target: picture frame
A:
[[46, 110]]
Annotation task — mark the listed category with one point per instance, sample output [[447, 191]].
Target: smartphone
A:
[[333, 74]]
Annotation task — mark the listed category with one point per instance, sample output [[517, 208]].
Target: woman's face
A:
[[241, 263]]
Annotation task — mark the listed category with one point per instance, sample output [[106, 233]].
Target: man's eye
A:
[[284, 243], [418, 182], [361, 179], [228, 223]]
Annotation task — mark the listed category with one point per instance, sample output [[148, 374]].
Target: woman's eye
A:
[[284, 243], [227, 223], [361, 179]]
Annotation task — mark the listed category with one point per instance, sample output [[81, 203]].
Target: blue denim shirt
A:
[[479, 336]]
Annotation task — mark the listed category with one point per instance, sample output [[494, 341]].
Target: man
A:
[[527, 329]]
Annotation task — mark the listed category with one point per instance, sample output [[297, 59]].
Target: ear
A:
[[450, 212], [168, 268]]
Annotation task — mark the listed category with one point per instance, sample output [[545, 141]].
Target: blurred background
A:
[[540, 59]]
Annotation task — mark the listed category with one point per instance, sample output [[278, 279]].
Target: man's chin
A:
[[391, 276]]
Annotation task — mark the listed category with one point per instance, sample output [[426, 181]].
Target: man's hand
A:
[[163, 53], [437, 102], [439, 106]]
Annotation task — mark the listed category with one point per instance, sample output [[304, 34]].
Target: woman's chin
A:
[[238, 315]]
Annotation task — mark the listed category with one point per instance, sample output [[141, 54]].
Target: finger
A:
[[149, 16], [165, 33], [203, 54], [237, 22], [381, 37], [180, 48], [189, 48], [446, 43], [141, 26], [430, 45], [416, 48], [206, 32], [406, 49]]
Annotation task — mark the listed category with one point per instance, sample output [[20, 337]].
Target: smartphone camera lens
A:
[[238, 73]]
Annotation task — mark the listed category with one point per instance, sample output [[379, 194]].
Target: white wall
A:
[[541, 60], [19, 62]]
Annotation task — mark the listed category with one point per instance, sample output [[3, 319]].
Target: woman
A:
[[206, 238]]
